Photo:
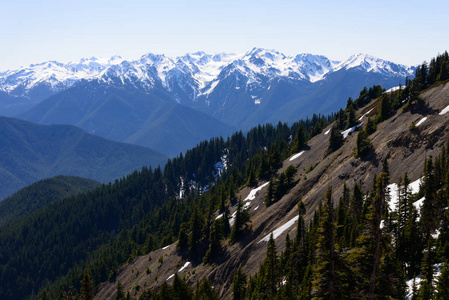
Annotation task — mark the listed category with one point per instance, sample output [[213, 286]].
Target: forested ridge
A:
[[69, 247]]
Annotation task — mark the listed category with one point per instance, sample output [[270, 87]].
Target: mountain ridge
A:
[[203, 69]]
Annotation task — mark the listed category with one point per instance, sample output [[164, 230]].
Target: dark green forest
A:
[[68, 247], [37, 195]]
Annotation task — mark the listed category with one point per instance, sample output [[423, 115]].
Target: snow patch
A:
[[276, 233], [444, 111], [393, 89], [394, 196], [170, 277], [365, 114], [417, 279], [232, 219], [296, 156], [252, 195], [421, 121], [219, 216], [350, 130], [327, 132], [417, 204], [256, 207], [184, 266]]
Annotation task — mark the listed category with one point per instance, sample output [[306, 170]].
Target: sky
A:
[[403, 31]]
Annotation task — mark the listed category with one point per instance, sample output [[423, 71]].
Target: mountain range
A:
[[233, 91]]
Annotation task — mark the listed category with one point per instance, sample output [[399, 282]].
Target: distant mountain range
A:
[[141, 101], [32, 152]]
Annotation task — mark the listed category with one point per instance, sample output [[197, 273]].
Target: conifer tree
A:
[[87, 290], [120, 292], [352, 121], [370, 127], [335, 139], [364, 145], [270, 192], [442, 286], [181, 289], [300, 140], [272, 272], [239, 285], [214, 241], [195, 229], [426, 288], [241, 219], [429, 211], [325, 280], [205, 291]]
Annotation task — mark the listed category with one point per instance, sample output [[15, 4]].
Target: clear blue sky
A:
[[406, 31]]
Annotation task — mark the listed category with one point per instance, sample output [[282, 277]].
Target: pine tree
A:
[[269, 197], [87, 291], [325, 281], [241, 219], [205, 291], [352, 121], [214, 241], [300, 140], [442, 287], [272, 272], [426, 288], [181, 289], [364, 145], [195, 229], [370, 127], [385, 107], [429, 210], [335, 139], [120, 292], [239, 285]]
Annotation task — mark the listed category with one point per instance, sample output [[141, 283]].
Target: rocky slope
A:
[[405, 149]]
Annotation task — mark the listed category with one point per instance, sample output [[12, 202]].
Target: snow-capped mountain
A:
[[238, 90], [190, 76]]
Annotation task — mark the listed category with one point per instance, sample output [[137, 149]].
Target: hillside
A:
[[218, 214], [32, 152], [127, 114], [39, 194], [405, 149]]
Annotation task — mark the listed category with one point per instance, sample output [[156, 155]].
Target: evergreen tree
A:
[[385, 107], [352, 121], [195, 229], [239, 285], [442, 287], [120, 292], [336, 139], [214, 241], [325, 279], [426, 288], [181, 289], [269, 197], [241, 219], [300, 140], [429, 211], [364, 145], [205, 291], [87, 290], [370, 127], [272, 272]]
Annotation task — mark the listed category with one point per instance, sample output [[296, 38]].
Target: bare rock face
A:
[[406, 150]]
